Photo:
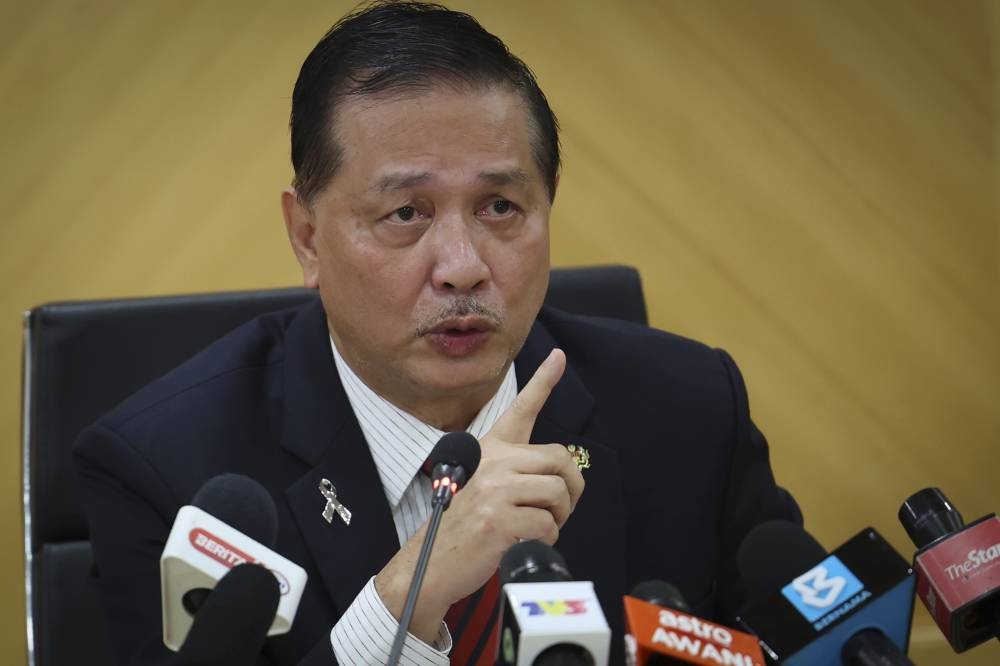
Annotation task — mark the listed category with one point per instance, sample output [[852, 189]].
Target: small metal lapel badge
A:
[[581, 456], [333, 505]]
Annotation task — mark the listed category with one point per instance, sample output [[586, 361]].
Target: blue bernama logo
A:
[[821, 589]]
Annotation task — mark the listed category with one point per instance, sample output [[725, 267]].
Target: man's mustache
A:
[[461, 306]]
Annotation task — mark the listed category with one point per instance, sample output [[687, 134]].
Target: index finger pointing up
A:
[[515, 424]]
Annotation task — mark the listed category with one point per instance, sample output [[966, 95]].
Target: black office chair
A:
[[83, 358]]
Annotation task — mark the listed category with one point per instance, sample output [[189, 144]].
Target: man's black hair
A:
[[402, 47]]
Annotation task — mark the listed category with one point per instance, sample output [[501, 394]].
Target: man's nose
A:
[[459, 265]]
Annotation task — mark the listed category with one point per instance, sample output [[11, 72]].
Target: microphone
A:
[[661, 630], [546, 618], [232, 624], [958, 567], [231, 521], [852, 607], [661, 593], [454, 459]]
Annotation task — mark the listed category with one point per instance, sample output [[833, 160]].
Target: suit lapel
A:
[[320, 428], [593, 539]]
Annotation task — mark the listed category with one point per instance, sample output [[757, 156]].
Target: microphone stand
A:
[[446, 482]]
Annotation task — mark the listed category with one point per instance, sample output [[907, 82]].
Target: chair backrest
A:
[[82, 358]]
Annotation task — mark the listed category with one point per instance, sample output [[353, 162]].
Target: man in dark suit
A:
[[426, 162]]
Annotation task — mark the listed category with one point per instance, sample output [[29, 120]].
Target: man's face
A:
[[430, 246]]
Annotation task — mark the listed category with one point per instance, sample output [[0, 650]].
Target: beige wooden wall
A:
[[810, 184]]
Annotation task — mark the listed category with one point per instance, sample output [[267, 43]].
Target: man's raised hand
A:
[[519, 491]]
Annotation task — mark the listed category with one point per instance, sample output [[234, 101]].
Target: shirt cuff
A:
[[365, 633]]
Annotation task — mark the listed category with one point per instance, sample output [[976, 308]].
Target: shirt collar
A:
[[400, 442]]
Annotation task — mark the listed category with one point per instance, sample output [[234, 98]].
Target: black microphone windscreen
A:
[[231, 627], [774, 553], [661, 593], [457, 449], [927, 516], [533, 562], [241, 503]]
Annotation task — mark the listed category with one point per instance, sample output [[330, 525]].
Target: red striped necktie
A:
[[473, 624]]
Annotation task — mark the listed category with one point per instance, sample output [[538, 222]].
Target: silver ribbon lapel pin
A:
[[333, 505]]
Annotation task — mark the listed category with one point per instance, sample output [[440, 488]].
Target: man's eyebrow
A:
[[405, 180], [399, 181], [498, 178]]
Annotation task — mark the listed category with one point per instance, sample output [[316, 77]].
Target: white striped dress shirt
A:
[[399, 444]]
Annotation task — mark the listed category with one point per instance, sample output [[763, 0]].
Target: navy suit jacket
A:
[[678, 471]]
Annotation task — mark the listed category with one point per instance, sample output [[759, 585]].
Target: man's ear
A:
[[301, 227]]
